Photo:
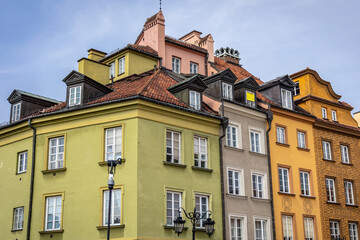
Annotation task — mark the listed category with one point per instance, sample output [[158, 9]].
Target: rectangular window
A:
[[227, 91], [296, 89], [201, 206], [15, 114], [258, 186], [112, 70], [22, 162], [53, 213], [231, 136], [334, 229], [113, 143], [344, 154], [194, 68], [324, 113], [200, 152], [250, 99], [56, 153], [280, 133], [330, 190], [333, 115], [237, 228], [255, 141], [353, 231], [74, 96], [305, 183], [301, 139], [284, 180], [173, 204], [287, 222], [286, 99], [115, 214], [349, 193], [260, 229], [235, 179], [195, 100], [176, 65], [18, 221], [309, 228], [121, 65], [173, 146], [326, 150]]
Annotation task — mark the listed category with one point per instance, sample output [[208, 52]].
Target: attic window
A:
[[227, 91], [194, 68], [195, 100], [176, 65], [296, 89], [250, 99], [15, 114], [74, 96], [286, 99], [112, 70]]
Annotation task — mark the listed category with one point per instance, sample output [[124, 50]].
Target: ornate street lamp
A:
[[194, 217]]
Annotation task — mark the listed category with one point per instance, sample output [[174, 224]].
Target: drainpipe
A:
[[206, 64], [269, 120], [224, 124], [31, 181]]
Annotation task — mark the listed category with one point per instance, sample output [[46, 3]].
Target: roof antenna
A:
[[160, 5]]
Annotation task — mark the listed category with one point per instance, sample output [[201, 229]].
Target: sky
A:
[[41, 40]]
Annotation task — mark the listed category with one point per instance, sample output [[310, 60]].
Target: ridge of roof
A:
[[138, 48], [37, 96], [185, 44]]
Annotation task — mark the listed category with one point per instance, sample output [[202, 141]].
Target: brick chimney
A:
[[228, 54]]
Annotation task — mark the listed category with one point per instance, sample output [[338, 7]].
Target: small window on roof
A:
[[15, 114], [195, 100], [74, 95], [286, 99], [250, 98], [296, 89], [227, 91]]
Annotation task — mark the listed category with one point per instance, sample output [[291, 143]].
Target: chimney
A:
[[95, 55], [228, 54]]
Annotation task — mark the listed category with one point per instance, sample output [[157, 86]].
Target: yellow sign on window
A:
[[250, 96]]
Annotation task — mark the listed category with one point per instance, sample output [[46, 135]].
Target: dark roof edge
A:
[[131, 48]]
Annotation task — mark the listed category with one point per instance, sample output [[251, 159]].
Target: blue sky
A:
[[42, 40]]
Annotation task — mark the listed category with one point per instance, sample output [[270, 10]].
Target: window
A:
[[330, 190], [195, 100], [22, 163], [74, 96], [353, 231], [280, 132], [173, 146], [176, 65], [194, 68], [301, 139], [15, 114], [287, 222], [227, 91], [56, 153], [250, 99], [296, 89], [349, 193], [324, 113], [115, 214], [333, 115], [235, 181], [286, 98], [326, 150], [231, 136], [18, 221], [309, 228], [258, 186], [201, 206], [237, 228], [53, 213], [305, 183], [334, 229], [112, 70], [284, 180], [255, 141], [260, 229], [200, 152], [173, 204], [113, 143], [121, 65], [344, 154]]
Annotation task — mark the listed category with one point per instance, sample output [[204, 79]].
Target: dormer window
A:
[[74, 96], [195, 100], [112, 70], [286, 99], [194, 68], [15, 114], [250, 99], [227, 91], [121, 65], [296, 89]]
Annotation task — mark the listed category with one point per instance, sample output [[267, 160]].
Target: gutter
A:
[[269, 120], [31, 181]]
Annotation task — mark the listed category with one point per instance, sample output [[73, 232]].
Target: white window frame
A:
[[18, 221], [308, 224], [253, 144], [232, 182], [199, 209], [172, 147], [250, 103], [56, 157], [256, 191], [280, 134], [353, 231], [349, 193], [344, 154], [74, 95], [113, 143], [232, 136], [296, 89], [121, 65], [54, 213], [194, 68], [227, 91], [324, 113], [265, 230], [326, 150], [243, 220], [285, 227], [200, 148], [195, 100], [15, 113], [176, 65], [301, 139], [118, 192], [22, 162], [305, 183], [284, 181], [112, 70], [174, 211], [330, 190], [334, 229], [333, 115], [286, 99]]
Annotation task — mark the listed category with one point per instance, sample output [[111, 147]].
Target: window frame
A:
[[16, 217], [25, 161], [324, 150], [332, 223], [351, 231], [242, 218], [286, 99], [305, 139], [173, 210], [112, 70], [296, 88], [121, 65], [241, 181], [342, 147], [348, 183], [305, 217], [266, 227], [48, 152], [176, 63], [302, 183], [330, 194], [197, 100], [103, 205], [255, 132], [281, 180], [264, 185], [248, 102], [227, 91], [324, 112], [206, 165], [333, 115], [172, 146], [192, 70], [45, 197], [231, 136], [280, 135], [74, 99], [105, 139], [15, 112], [292, 226], [207, 197]]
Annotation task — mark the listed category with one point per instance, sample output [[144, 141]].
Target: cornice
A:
[[294, 115], [322, 100], [337, 128]]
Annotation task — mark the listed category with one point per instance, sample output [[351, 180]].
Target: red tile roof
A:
[[145, 49], [185, 44]]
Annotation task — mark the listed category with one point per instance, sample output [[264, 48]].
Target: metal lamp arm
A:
[[205, 213]]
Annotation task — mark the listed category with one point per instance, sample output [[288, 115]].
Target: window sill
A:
[[303, 149], [335, 203], [18, 173], [54, 170], [305, 196], [16, 230], [282, 144], [120, 74], [288, 194], [237, 196], [174, 164], [258, 154], [172, 227], [103, 163], [328, 160], [52, 231], [111, 227], [260, 199], [352, 205], [202, 169], [234, 148], [347, 164]]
